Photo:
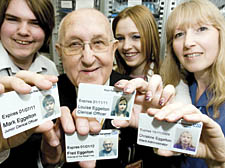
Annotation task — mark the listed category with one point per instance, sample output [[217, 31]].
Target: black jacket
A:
[[129, 150]]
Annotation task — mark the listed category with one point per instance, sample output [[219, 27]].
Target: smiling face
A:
[[21, 34], [196, 47], [88, 66], [130, 43]]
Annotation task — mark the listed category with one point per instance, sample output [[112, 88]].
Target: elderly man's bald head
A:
[[86, 46], [88, 15]]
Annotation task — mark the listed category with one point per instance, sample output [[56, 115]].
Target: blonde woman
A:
[[185, 141], [195, 54]]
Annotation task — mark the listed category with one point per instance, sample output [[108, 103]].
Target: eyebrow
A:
[[99, 36], [13, 16], [131, 33], [75, 37], [10, 15]]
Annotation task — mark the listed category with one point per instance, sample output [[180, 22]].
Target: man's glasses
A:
[[77, 47]]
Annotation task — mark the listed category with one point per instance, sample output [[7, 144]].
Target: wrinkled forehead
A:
[[86, 26], [107, 142]]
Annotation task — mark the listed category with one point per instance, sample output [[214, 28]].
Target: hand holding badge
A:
[[177, 136], [104, 102], [21, 112], [100, 102]]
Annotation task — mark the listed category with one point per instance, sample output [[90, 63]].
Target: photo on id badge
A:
[[185, 139], [49, 106], [108, 147], [121, 106]]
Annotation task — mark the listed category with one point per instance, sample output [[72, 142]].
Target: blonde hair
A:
[[196, 12], [187, 133]]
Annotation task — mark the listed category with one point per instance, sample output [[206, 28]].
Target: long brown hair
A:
[[150, 41]]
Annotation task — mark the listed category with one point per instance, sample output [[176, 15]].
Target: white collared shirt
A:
[[41, 64]]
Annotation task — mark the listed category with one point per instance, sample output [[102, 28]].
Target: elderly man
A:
[[86, 47], [107, 148]]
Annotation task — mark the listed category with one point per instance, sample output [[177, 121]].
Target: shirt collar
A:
[[38, 64], [7, 63], [5, 60]]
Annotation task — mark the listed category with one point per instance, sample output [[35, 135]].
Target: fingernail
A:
[[24, 85], [46, 82], [148, 96], [161, 101], [55, 143]]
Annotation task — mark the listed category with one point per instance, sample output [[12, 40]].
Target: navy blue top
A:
[[179, 146], [201, 105]]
